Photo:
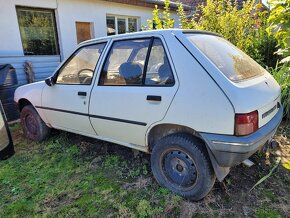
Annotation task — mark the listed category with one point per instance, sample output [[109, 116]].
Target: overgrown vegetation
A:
[[244, 27], [282, 75], [71, 176], [67, 176], [262, 34], [163, 21], [279, 27]]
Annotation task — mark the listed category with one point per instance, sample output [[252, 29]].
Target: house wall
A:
[[70, 11], [67, 13]]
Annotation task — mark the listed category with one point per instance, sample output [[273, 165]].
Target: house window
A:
[[84, 31], [38, 31], [121, 24], [132, 25]]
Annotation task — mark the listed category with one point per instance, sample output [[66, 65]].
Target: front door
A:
[[66, 103], [135, 89]]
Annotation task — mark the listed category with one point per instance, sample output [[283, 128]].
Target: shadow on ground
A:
[[69, 175]]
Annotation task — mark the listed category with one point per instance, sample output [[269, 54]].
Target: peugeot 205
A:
[[191, 99]]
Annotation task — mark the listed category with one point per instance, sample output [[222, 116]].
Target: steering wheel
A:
[[85, 69], [86, 78]]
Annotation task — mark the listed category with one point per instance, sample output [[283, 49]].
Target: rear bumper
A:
[[230, 150]]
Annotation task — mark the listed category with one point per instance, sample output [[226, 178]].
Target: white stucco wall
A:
[[67, 13], [70, 11]]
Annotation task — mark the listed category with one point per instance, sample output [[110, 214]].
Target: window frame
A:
[[116, 17], [56, 74], [57, 43], [152, 38]]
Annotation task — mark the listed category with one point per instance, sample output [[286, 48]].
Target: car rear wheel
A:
[[33, 126], [180, 163]]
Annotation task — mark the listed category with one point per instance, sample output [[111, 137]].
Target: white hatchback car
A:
[[193, 100]]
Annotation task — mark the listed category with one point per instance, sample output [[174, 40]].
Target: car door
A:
[[6, 143], [135, 89], [65, 104]]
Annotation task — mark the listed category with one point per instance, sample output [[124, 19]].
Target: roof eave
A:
[[172, 4]]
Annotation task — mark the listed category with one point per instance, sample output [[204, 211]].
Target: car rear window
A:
[[231, 61]]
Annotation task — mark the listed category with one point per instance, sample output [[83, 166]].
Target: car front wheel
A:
[[33, 126], [180, 163]]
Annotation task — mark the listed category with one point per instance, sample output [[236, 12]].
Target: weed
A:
[[56, 179], [267, 213]]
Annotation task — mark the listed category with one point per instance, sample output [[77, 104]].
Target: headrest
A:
[[130, 72]]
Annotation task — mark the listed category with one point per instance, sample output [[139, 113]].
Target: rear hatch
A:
[[248, 86]]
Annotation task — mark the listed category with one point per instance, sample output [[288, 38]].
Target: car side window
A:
[[159, 72], [125, 63], [79, 69]]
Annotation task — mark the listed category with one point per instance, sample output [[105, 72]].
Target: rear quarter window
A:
[[232, 62]]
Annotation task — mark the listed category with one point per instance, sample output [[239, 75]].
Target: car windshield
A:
[[231, 61]]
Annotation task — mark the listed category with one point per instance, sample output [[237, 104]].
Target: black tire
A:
[[180, 163], [33, 126]]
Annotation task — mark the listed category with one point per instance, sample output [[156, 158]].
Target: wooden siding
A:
[[43, 66]]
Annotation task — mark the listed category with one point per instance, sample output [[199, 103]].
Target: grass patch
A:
[[69, 176], [54, 178], [267, 213]]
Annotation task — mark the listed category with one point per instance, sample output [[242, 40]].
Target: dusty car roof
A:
[[147, 33]]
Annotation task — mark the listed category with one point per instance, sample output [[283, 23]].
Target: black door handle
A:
[[82, 93], [153, 98]]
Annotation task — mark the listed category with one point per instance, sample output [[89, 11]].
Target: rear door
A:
[[135, 89], [66, 103]]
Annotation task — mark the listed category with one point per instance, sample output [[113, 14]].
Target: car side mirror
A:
[[49, 81], [6, 143]]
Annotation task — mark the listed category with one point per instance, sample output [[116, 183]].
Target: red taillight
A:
[[246, 123]]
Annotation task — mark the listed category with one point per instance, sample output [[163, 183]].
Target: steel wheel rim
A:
[[179, 169], [30, 124]]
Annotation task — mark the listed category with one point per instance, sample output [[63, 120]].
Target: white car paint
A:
[[65, 97], [32, 93], [258, 93], [129, 103], [202, 98]]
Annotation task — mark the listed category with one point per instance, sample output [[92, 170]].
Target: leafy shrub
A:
[[279, 27], [263, 45], [245, 27], [161, 21], [224, 17], [282, 76]]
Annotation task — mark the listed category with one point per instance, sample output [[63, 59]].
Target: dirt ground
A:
[[235, 196], [130, 189]]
